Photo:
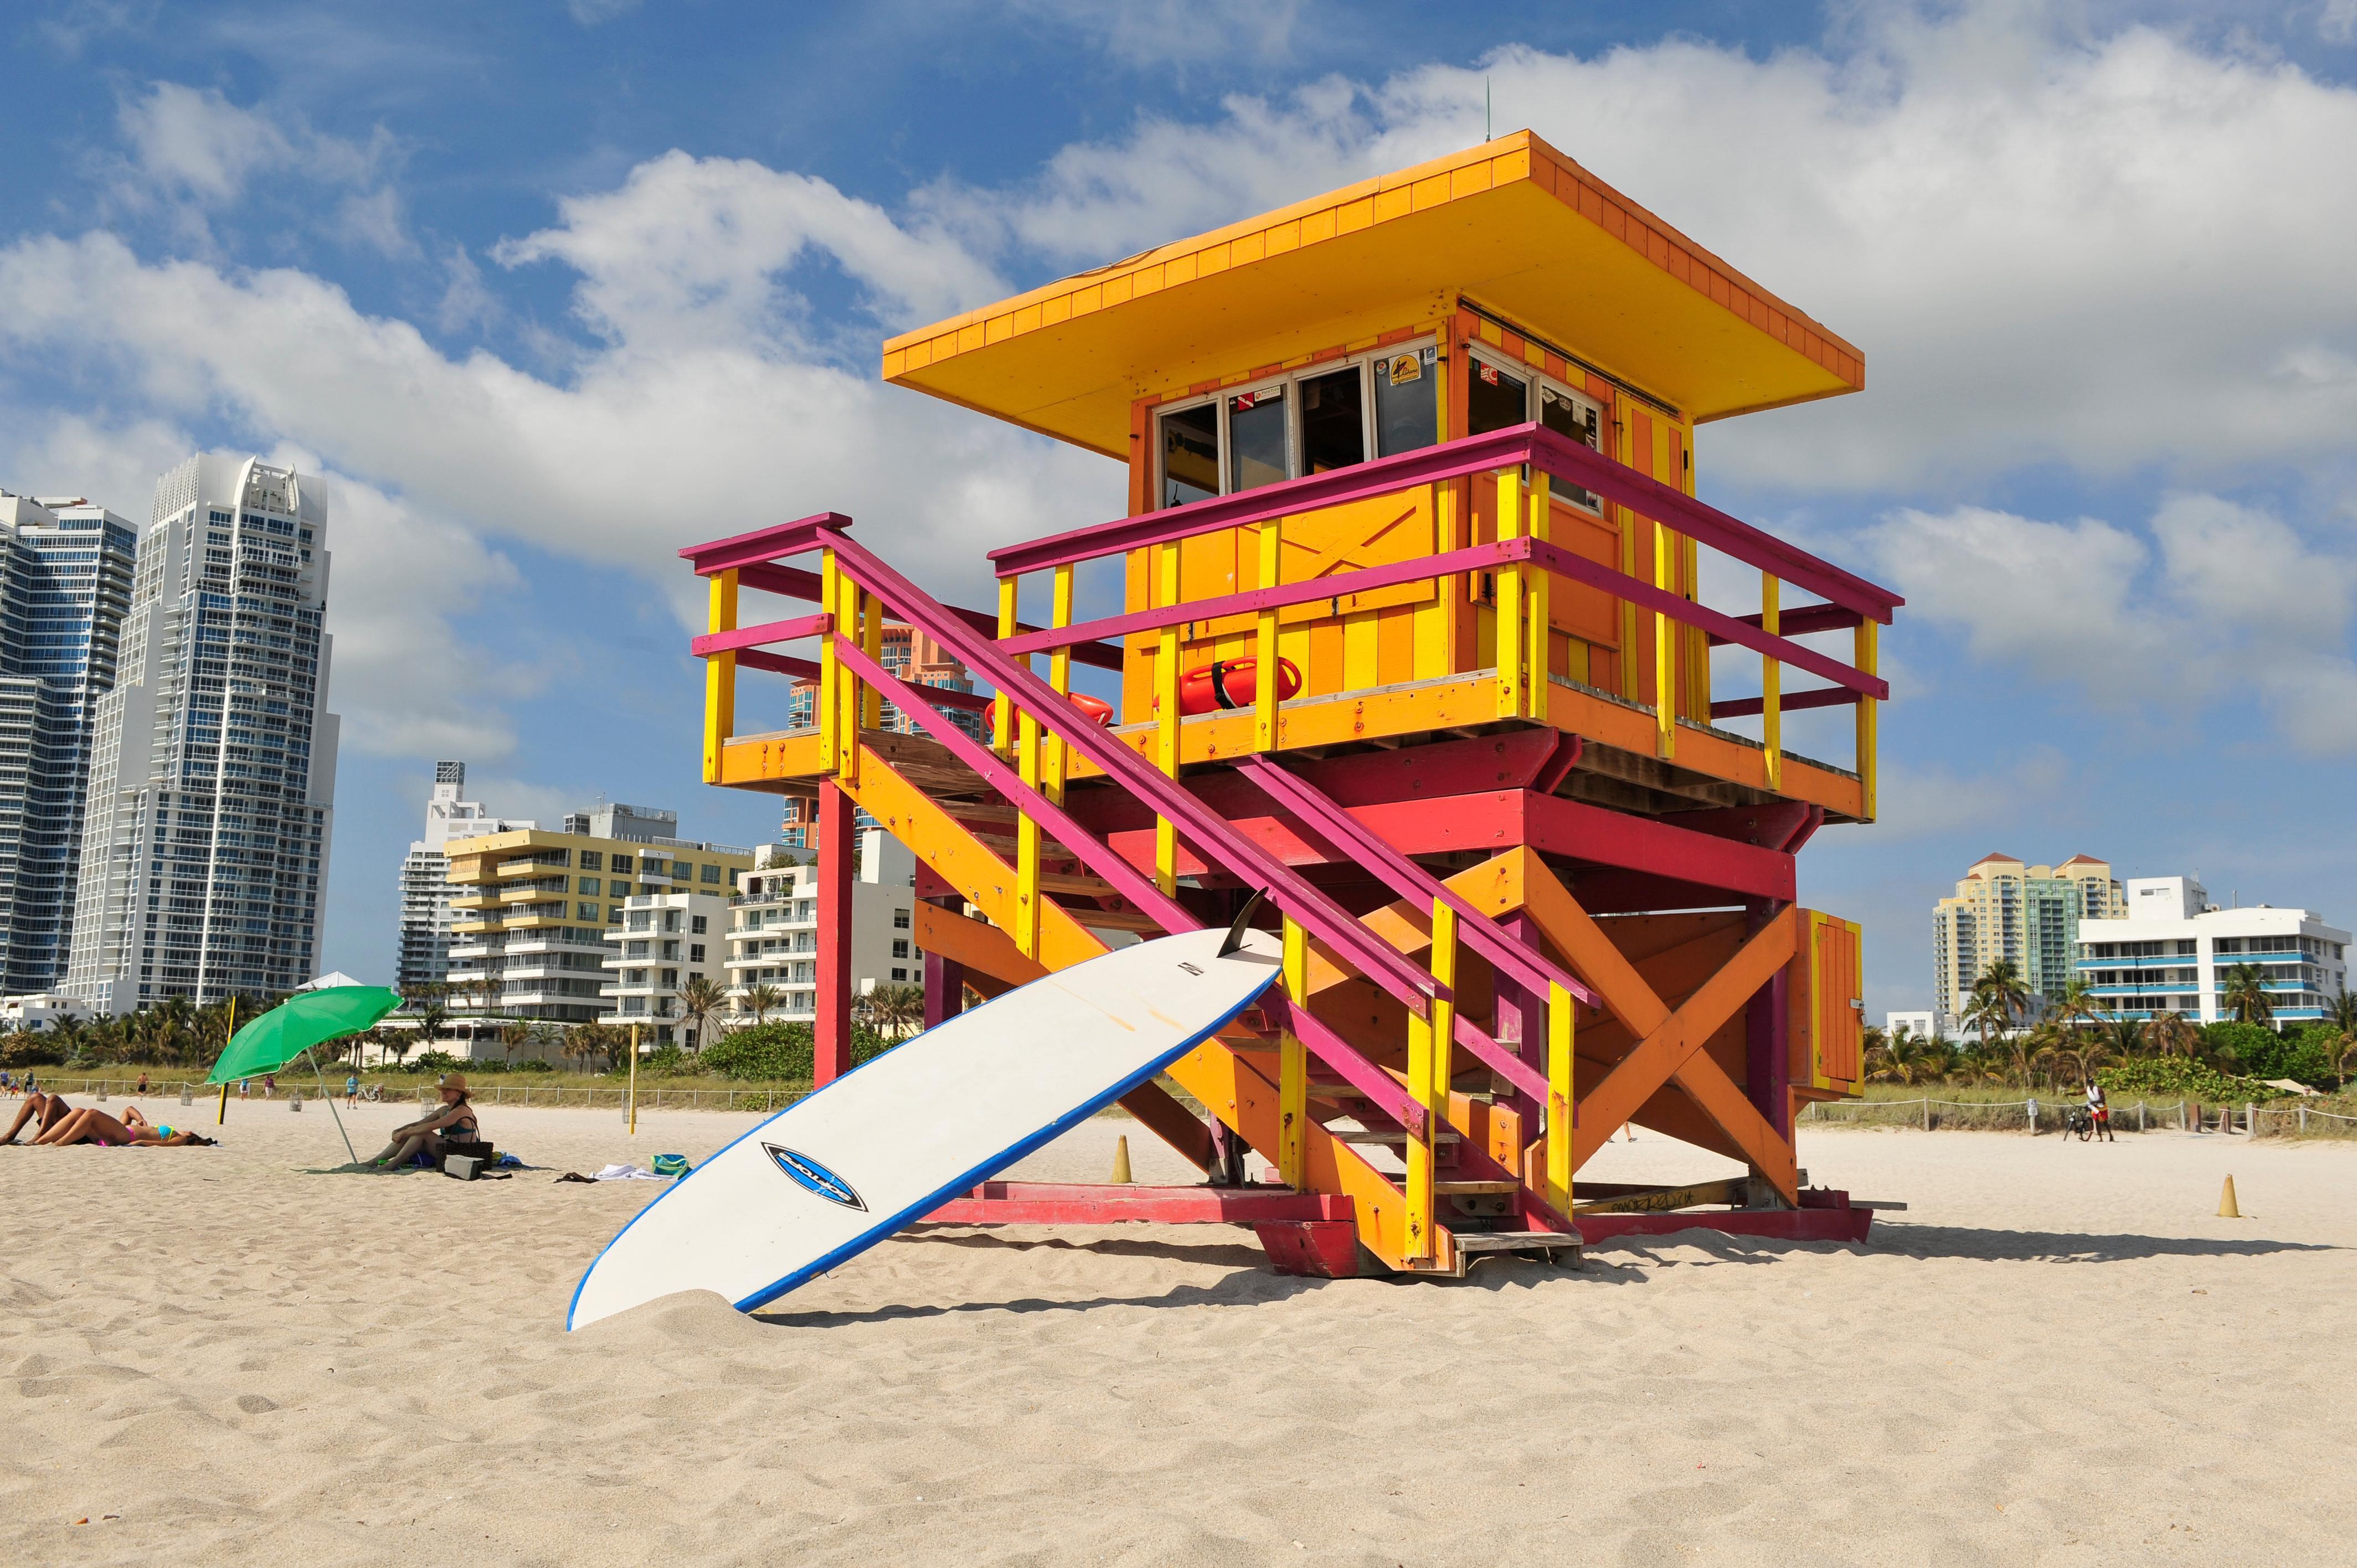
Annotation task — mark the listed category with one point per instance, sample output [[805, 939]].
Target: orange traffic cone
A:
[[1121, 1161], [2227, 1209]]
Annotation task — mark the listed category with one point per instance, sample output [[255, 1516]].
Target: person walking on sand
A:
[[244, 1089], [143, 1085], [352, 1091], [2099, 1111], [269, 1086]]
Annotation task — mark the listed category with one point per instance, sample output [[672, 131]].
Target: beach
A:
[[2058, 1352]]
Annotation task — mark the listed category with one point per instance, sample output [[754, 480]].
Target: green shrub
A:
[[437, 1062], [28, 1048], [2258, 1052], [2182, 1076], [781, 1053], [666, 1060], [533, 1064]]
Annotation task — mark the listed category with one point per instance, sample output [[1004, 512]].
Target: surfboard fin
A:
[[1242, 923]]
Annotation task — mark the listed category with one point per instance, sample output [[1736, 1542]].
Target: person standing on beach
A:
[[269, 1086], [352, 1091], [2099, 1111], [244, 1089], [143, 1085]]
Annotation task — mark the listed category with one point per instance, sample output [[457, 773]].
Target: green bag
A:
[[671, 1164]]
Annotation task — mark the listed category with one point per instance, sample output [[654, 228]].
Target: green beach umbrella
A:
[[303, 1020]]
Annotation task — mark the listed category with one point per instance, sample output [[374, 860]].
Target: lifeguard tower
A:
[[1411, 642]]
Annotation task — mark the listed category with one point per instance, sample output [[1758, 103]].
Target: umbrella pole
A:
[[331, 1102]]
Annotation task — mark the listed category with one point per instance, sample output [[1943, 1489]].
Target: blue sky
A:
[[551, 290]]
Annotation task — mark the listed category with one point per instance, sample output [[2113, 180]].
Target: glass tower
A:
[[213, 766], [65, 581]]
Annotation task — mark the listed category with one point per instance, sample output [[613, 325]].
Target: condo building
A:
[[665, 940], [424, 958], [773, 939], [531, 908], [2174, 951], [914, 657], [65, 583], [2027, 915], [212, 774]]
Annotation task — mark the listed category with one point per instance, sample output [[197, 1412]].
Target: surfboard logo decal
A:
[[812, 1177]]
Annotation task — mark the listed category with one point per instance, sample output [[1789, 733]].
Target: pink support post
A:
[[945, 990], [831, 1033]]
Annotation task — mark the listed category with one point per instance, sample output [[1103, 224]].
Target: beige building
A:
[[530, 909], [2030, 914]]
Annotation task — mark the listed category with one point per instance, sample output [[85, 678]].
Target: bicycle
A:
[[2079, 1123]]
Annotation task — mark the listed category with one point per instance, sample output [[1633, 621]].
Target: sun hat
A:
[[456, 1080]]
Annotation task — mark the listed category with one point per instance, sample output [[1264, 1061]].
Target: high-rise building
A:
[[2028, 915], [914, 658], [65, 581], [2172, 950], [212, 775], [530, 908], [425, 956], [773, 940]]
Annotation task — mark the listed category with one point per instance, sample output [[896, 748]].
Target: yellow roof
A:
[[1513, 225]]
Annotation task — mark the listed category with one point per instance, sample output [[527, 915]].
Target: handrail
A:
[[1210, 834], [1532, 444]]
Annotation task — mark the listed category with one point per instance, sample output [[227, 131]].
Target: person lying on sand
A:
[[92, 1125], [455, 1121], [52, 1109]]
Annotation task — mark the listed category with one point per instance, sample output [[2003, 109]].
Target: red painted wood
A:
[[1311, 1249], [763, 544], [1782, 1224], [830, 1031], [1800, 620], [1816, 697], [777, 663], [1070, 1203], [755, 636], [1631, 843]]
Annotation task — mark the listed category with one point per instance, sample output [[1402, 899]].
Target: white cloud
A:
[[2100, 250], [190, 152], [2227, 602]]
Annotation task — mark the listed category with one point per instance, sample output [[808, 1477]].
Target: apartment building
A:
[[665, 939], [65, 583], [424, 957], [530, 908], [773, 937], [212, 773], [2028, 915], [914, 657], [2173, 951]]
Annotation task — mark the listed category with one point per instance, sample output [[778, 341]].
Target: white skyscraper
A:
[[213, 769], [425, 890]]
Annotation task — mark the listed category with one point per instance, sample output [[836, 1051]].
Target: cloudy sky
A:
[[551, 289]]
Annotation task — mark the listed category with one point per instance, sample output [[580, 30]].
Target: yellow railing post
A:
[[1665, 653], [826, 709], [1561, 1022], [850, 689], [1511, 605], [1293, 1068], [1418, 1153], [1534, 694], [1444, 1012], [871, 643], [1771, 682], [1166, 734], [1002, 723], [1027, 846], [1868, 635], [1265, 665], [1058, 764], [720, 677]]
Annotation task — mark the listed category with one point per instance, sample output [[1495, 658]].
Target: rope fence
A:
[[2052, 1115], [190, 1091]]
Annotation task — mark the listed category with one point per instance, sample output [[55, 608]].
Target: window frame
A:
[[1536, 384], [1370, 430]]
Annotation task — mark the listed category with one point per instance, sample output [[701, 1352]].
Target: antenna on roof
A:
[[1485, 110]]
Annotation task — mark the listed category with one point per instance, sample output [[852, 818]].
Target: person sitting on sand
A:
[[52, 1109], [92, 1125], [455, 1121]]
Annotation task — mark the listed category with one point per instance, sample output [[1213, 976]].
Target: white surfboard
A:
[[885, 1144]]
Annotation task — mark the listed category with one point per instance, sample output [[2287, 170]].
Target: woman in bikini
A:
[[454, 1121], [92, 1125]]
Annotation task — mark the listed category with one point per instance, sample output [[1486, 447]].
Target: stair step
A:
[[1396, 1137], [1475, 1188], [1112, 920], [1516, 1242]]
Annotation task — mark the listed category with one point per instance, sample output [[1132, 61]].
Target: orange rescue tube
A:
[[1096, 708], [1229, 684]]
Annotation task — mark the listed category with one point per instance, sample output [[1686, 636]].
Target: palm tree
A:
[[2125, 1037], [895, 1010], [514, 1036], [2002, 981], [1901, 1057], [2245, 993], [699, 999], [2077, 1004], [1988, 1013], [2171, 1034], [763, 1000]]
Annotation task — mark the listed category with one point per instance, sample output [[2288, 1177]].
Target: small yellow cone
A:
[[2226, 1205], [1121, 1161]]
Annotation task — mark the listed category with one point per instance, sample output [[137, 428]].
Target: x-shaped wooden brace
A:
[[1347, 552]]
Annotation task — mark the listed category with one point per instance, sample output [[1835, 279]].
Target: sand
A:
[[2059, 1353]]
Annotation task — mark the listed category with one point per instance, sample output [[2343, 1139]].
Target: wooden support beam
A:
[[830, 1031]]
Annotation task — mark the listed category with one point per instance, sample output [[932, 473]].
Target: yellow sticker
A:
[[1406, 367]]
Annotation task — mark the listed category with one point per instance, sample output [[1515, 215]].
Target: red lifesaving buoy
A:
[[1228, 683], [1096, 708]]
